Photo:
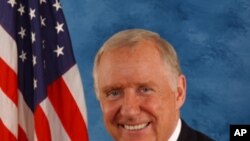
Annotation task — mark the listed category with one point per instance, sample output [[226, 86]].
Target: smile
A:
[[136, 127]]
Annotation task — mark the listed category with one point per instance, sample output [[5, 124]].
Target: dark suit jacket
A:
[[189, 134]]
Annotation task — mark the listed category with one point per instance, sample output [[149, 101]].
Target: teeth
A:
[[135, 127]]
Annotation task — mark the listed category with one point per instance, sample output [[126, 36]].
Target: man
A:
[[141, 88]]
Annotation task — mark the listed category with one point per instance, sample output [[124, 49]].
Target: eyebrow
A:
[[107, 88], [121, 86]]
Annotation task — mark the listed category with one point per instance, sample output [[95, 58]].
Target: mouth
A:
[[135, 127]]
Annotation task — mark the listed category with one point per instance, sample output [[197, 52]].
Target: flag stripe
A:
[[25, 118], [8, 81], [5, 135], [8, 49], [8, 114], [65, 106], [76, 89], [8, 87], [42, 125], [21, 135], [58, 132], [41, 94]]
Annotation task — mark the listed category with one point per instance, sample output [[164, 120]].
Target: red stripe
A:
[[41, 125], [67, 110], [21, 135], [5, 134], [8, 81]]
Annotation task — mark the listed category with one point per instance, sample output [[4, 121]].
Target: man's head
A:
[[140, 86]]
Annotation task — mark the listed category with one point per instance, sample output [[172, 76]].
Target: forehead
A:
[[143, 50], [139, 62]]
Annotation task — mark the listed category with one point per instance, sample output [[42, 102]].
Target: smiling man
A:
[[141, 88]]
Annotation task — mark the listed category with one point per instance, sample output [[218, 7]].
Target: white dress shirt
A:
[[176, 132]]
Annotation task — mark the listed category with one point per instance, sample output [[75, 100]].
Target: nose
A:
[[130, 105]]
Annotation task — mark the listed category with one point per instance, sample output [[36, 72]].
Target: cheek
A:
[[153, 103], [161, 107], [168, 105], [109, 110], [167, 112], [158, 101]]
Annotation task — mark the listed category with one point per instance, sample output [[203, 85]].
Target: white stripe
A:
[[73, 81], [35, 139], [8, 113], [8, 109], [8, 50], [58, 132], [26, 118]]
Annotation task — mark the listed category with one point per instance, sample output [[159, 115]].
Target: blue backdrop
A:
[[212, 39]]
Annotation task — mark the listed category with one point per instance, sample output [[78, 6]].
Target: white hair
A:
[[129, 38]]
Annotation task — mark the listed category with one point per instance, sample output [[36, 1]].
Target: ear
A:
[[181, 91]]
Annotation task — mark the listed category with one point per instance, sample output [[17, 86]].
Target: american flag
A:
[[41, 95]]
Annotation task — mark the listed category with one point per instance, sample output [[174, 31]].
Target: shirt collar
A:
[[176, 132]]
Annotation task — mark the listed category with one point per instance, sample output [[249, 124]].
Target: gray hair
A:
[[129, 38]]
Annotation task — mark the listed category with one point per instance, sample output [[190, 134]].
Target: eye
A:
[[145, 90], [112, 94]]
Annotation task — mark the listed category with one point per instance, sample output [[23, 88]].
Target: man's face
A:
[[137, 101]]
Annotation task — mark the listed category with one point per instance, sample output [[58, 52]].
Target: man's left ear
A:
[[181, 91]]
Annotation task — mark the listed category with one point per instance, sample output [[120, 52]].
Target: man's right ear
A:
[[181, 91]]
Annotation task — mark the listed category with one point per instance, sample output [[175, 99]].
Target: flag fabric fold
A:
[[41, 94]]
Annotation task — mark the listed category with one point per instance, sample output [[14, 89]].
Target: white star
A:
[[43, 42], [23, 56], [12, 2], [22, 32], [59, 51], [35, 83], [42, 21], [41, 1], [34, 60], [33, 37], [57, 5], [59, 27], [44, 64], [32, 13], [21, 9]]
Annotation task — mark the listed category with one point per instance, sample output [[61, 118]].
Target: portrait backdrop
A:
[[212, 40]]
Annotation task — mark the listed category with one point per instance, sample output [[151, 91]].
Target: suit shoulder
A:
[[202, 137], [189, 134]]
